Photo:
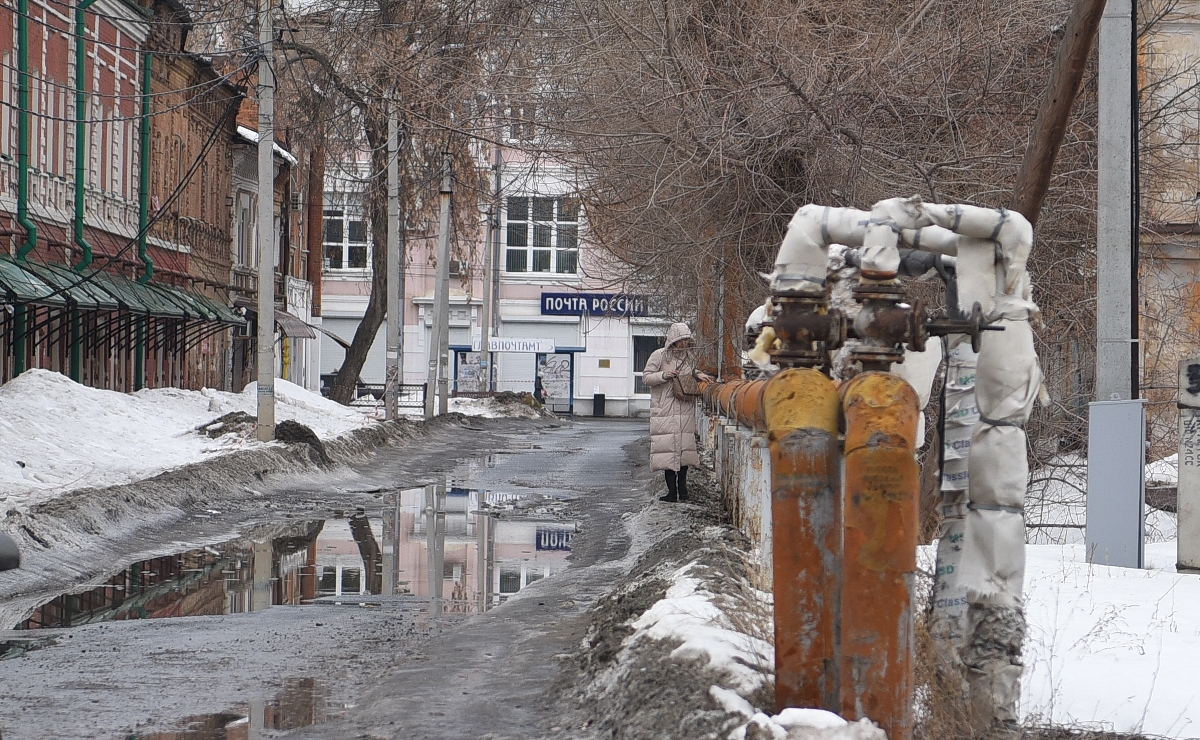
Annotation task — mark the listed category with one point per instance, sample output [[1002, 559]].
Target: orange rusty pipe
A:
[[801, 407], [880, 549], [749, 405]]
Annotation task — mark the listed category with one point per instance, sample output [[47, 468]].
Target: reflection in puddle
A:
[[451, 551], [237, 576], [301, 703], [461, 549]]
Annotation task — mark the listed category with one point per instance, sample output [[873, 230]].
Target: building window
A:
[[643, 347], [542, 235], [345, 240]]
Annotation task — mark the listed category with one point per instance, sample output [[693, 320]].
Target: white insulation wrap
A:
[[880, 255], [803, 258], [992, 247], [1009, 229], [920, 370]]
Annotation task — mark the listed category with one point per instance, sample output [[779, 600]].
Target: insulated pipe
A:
[[1009, 229], [991, 269], [803, 258], [80, 137], [800, 407], [880, 252], [882, 486], [23, 141], [144, 179]]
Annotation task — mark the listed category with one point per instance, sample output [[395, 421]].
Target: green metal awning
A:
[[205, 313], [225, 314], [168, 297], [138, 298], [22, 286], [74, 286]]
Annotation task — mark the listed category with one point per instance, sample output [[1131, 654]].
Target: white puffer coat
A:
[[672, 422]]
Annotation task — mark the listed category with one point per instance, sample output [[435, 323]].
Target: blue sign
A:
[[593, 304], [553, 539]]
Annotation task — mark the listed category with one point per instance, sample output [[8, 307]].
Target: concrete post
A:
[[1188, 486], [392, 377], [266, 226], [1114, 218]]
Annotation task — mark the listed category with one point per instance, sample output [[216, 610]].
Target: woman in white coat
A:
[[672, 419]]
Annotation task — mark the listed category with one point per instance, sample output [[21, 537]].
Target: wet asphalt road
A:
[[388, 668]]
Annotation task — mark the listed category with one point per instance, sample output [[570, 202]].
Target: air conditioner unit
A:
[[458, 268]]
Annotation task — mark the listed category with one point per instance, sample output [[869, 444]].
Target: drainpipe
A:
[[80, 117], [144, 183], [23, 135], [19, 320]]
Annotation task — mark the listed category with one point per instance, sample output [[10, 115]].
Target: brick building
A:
[[134, 281]]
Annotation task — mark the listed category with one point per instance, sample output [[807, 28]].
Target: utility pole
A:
[[1051, 124], [394, 296], [439, 350], [493, 232], [1115, 254], [266, 225]]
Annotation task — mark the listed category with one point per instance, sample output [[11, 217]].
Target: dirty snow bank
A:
[[682, 646], [57, 435]]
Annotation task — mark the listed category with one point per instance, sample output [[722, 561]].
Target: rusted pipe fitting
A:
[[880, 547], [800, 407], [805, 328], [885, 325]]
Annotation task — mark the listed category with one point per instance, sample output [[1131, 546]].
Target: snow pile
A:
[[1111, 648], [490, 408], [793, 723], [1056, 502], [688, 614], [57, 435]]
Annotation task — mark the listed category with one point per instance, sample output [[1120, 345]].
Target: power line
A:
[[175, 194]]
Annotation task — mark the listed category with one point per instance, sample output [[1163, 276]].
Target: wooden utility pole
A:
[[1051, 123]]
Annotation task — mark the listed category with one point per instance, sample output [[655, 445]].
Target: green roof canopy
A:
[[22, 286], [78, 290]]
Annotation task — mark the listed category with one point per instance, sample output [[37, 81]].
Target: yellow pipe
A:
[[800, 408], [880, 545]]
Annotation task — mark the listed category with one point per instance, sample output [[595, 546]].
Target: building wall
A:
[[584, 340]]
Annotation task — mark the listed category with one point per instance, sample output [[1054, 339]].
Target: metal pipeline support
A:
[[800, 407], [23, 138], [144, 178], [80, 138], [882, 486]]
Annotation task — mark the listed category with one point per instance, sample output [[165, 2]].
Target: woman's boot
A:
[[681, 483], [672, 496]]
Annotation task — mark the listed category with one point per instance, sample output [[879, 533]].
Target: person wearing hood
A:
[[673, 410]]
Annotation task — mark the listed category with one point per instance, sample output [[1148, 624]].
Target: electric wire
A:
[[175, 194]]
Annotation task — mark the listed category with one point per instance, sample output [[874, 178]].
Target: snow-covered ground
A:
[[1056, 502], [1112, 648], [1106, 648], [57, 435]]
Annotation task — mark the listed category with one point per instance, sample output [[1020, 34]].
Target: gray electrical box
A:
[[1116, 483]]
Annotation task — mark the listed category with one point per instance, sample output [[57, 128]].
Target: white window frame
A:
[[554, 231], [344, 207]]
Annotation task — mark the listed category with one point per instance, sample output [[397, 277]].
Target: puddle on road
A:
[[301, 703], [453, 549]]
